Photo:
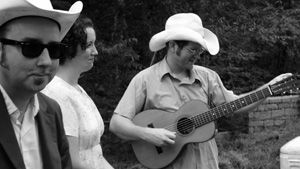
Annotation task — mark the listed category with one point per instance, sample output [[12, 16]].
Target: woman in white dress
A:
[[82, 121]]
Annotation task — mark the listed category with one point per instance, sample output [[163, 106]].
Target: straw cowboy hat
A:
[[185, 26], [11, 9]]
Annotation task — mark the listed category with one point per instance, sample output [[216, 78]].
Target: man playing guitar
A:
[[171, 83]]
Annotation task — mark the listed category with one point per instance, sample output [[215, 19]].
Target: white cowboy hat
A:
[[185, 26], [11, 9]]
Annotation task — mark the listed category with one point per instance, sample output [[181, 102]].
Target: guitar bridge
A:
[[158, 149]]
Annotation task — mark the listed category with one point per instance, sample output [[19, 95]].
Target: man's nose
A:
[[44, 58]]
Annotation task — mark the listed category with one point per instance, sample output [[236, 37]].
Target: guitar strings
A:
[[197, 120], [207, 116], [201, 119], [186, 126]]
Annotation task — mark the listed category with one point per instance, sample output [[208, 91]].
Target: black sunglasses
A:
[[34, 49]]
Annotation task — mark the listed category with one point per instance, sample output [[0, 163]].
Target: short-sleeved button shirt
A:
[[157, 88]]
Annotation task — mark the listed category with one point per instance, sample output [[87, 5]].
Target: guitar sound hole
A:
[[185, 126]]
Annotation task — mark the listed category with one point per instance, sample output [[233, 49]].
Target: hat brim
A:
[[209, 40], [64, 18]]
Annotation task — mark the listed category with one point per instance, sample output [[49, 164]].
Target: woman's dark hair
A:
[[76, 36]]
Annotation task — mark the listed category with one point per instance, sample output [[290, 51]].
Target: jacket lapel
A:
[[8, 139], [45, 122]]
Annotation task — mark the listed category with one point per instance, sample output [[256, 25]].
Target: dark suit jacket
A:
[[53, 142]]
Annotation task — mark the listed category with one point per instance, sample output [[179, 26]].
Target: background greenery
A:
[[259, 39]]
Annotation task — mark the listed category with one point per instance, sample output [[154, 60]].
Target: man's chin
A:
[[39, 84]]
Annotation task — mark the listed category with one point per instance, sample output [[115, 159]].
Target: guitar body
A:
[[158, 157], [193, 122]]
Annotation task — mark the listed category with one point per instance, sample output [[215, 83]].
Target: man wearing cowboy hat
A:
[[31, 129], [172, 82]]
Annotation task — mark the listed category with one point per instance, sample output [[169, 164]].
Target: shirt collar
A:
[[11, 107], [35, 105], [164, 70]]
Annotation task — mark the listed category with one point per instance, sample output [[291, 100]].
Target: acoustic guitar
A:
[[194, 122]]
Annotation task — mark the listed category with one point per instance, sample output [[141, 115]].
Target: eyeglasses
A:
[[196, 51], [34, 49]]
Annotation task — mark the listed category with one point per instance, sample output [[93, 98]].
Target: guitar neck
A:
[[228, 108]]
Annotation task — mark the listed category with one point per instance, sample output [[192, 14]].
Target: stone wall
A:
[[274, 112]]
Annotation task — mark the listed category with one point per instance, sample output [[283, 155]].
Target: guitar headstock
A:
[[287, 86]]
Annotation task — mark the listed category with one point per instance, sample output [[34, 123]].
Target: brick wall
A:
[[274, 112]]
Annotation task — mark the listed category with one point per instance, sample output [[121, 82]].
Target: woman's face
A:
[[86, 57]]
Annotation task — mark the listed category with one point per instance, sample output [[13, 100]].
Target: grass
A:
[[256, 151], [236, 150]]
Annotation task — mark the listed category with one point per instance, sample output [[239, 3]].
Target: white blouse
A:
[[81, 119]]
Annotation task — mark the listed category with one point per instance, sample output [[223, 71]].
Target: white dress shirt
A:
[[26, 130]]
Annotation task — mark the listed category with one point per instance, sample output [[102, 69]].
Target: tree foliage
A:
[[259, 39]]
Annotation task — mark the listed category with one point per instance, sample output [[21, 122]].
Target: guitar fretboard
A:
[[228, 108]]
